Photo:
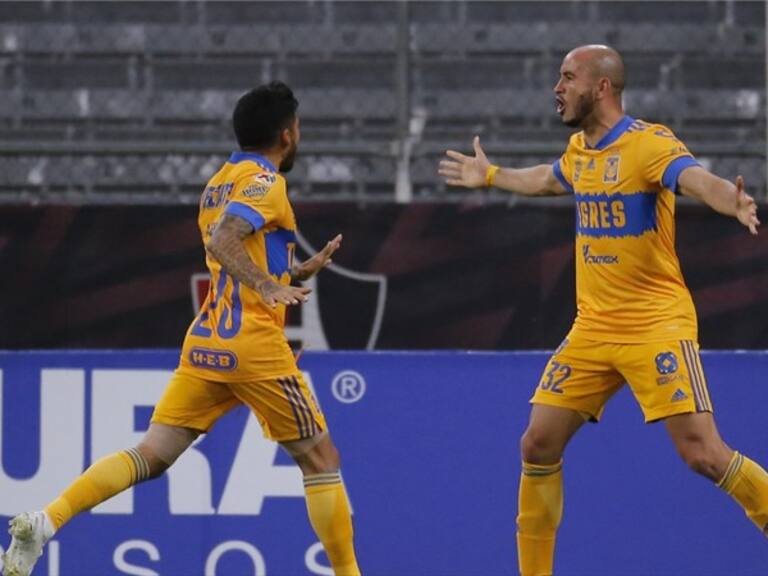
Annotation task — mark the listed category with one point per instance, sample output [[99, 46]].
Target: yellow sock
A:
[[540, 510], [747, 482], [102, 480], [330, 517]]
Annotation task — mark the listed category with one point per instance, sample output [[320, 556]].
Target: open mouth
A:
[[560, 105]]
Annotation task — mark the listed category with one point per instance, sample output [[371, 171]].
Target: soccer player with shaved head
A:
[[235, 351], [635, 320]]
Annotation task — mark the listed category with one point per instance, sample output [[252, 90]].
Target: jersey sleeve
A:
[[260, 199], [563, 170], [664, 157]]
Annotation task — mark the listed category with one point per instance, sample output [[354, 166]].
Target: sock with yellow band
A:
[[540, 508], [330, 517], [102, 480], [747, 482]]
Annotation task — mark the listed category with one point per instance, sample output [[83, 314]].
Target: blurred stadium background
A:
[[114, 114], [110, 107], [120, 101]]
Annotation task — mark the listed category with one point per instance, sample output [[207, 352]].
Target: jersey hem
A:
[[588, 334]]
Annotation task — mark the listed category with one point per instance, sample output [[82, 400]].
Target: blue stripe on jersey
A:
[[614, 133], [560, 176], [252, 157], [615, 216], [673, 170], [277, 250], [247, 213]]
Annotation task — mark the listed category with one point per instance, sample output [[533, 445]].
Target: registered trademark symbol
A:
[[348, 386]]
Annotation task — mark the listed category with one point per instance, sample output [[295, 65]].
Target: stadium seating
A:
[[121, 77]]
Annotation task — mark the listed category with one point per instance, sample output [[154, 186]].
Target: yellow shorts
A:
[[285, 407], [665, 377]]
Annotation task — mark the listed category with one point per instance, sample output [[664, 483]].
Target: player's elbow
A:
[[211, 247], [215, 245], [697, 193]]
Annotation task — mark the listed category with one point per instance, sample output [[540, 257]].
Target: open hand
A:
[[273, 294], [307, 269], [464, 170], [746, 207]]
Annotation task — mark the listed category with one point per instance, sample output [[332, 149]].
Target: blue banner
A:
[[429, 445]]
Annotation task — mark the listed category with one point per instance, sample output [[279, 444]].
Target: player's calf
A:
[[326, 497], [698, 443], [709, 461]]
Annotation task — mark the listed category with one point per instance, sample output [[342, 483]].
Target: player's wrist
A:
[[299, 273], [490, 175], [266, 286]]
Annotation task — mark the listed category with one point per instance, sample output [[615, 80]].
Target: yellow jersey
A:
[[236, 337], [629, 287]]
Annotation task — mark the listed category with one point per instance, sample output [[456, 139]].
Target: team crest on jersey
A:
[[260, 184], [577, 169], [611, 172]]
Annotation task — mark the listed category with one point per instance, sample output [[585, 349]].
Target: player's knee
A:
[[538, 447], [324, 460], [163, 444]]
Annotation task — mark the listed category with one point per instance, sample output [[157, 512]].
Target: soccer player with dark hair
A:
[[235, 351], [635, 320]]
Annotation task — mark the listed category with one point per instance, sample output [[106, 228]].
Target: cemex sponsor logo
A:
[[598, 258]]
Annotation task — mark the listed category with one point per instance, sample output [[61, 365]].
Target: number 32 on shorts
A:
[[555, 376]]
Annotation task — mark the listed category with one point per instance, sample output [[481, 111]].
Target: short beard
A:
[[584, 107], [287, 163]]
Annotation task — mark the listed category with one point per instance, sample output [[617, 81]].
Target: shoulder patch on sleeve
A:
[[659, 130], [258, 185]]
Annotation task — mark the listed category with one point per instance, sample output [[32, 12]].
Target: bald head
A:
[[588, 92], [601, 62]]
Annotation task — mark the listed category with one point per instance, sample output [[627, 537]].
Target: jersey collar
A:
[[613, 134], [252, 157]]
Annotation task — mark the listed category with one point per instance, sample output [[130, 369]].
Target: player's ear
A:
[[604, 86], [286, 137]]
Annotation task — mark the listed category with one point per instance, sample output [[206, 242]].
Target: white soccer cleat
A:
[[30, 532]]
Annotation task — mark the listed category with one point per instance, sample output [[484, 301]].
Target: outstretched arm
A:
[[477, 171], [720, 194], [306, 270], [226, 246]]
